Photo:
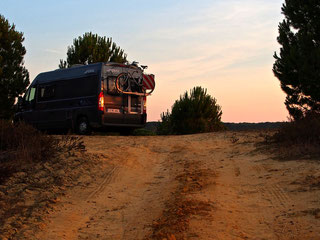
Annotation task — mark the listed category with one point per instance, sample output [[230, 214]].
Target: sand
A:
[[204, 186]]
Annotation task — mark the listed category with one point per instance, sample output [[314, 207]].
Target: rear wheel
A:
[[83, 126]]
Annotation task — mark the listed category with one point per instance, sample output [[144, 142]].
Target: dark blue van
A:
[[83, 97]]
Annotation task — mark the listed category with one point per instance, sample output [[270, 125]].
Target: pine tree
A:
[[194, 112], [14, 77], [91, 48], [298, 65]]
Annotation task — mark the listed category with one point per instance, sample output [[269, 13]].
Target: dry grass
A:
[[21, 146], [35, 170], [300, 138]]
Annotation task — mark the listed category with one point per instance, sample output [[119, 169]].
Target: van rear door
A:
[[120, 108], [133, 109], [113, 102]]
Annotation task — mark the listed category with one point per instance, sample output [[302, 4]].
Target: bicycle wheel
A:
[[122, 82]]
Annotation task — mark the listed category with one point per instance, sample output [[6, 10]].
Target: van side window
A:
[[110, 85], [77, 87], [46, 92], [26, 95], [32, 94]]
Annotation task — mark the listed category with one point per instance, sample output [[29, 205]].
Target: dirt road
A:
[[206, 186]]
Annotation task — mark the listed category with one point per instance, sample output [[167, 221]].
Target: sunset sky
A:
[[225, 46]]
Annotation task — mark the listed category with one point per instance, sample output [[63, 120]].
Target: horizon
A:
[[225, 46]]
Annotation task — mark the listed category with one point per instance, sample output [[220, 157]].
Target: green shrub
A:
[[194, 112], [165, 126]]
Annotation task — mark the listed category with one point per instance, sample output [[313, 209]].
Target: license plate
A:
[[111, 110]]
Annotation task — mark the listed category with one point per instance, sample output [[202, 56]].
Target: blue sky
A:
[[225, 46]]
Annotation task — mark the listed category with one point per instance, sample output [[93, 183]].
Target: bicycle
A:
[[132, 83]]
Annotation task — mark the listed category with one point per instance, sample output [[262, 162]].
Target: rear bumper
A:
[[113, 120]]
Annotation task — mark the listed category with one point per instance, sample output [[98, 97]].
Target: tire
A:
[[83, 127], [126, 131]]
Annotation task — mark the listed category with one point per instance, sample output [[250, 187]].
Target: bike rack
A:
[[134, 93]]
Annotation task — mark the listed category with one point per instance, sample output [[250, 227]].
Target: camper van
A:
[[88, 96]]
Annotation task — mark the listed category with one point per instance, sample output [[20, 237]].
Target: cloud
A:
[[226, 35], [226, 47], [53, 51]]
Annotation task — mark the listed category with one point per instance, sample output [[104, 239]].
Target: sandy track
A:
[[206, 186], [124, 202]]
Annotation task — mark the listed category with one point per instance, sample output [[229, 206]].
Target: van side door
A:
[[46, 106]]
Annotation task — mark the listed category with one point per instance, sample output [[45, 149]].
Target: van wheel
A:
[[83, 126], [126, 131]]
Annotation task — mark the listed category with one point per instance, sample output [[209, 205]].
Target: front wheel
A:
[[83, 126]]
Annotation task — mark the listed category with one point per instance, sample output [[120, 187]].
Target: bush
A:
[[21, 146], [305, 130], [165, 126], [196, 112], [142, 132], [302, 136], [30, 144]]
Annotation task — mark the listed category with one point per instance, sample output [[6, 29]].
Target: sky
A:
[[225, 46]]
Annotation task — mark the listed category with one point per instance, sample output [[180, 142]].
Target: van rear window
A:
[[110, 85]]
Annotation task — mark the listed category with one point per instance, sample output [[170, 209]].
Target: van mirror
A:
[[20, 101], [20, 104]]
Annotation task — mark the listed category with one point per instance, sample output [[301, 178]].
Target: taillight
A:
[[101, 102], [144, 104]]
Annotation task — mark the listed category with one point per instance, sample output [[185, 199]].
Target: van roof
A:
[[68, 73]]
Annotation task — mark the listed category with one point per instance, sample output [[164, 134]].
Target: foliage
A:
[[14, 77], [165, 126], [91, 48], [196, 112], [298, 65]]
